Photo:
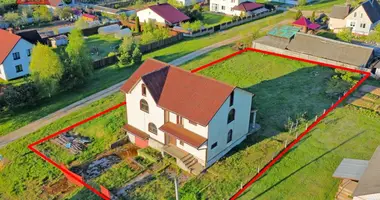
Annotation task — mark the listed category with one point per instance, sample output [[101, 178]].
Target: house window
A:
[[352, 24], [179, 120], [193, 123], [231, 116], [232, 1], [223, 7], [143, 90], [152, 128], [229, 136], [19, 68], [232, 99], [355, 14], [361, 15], [28, 52], [144, 106], [181, 142], [16, 56], [362, 25], [214, 145]]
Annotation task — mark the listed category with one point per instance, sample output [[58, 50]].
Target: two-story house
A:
[[237, 7], [15, 55], [360, 20], [193, 118]]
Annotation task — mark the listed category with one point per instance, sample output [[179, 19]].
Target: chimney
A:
[[11, 30]]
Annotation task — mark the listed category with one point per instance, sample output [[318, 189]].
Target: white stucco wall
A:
[[199, 154], [337, 23], [8, 67], [146, 14], [228, 5], [189, 2], [361, 17], [375, 196], [141, 119], [218, 127]]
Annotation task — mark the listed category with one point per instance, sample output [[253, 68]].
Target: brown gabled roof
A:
[[340, 12], [7, 42], [248, 6], [183, 134], [169, 13], [189, 95]]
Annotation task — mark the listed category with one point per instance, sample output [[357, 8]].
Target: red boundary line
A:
[[262, 171]]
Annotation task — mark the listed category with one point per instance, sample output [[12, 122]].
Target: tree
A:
[[298, 15], [345, 35], [26, 12], [138, 25], [136, 55], [21, 95], [374, 36], [81, 24], [78, 65], [42, 13], [46, 69], [63, 13], [313, 17], [13, 18], [302, 2], [129, 52]]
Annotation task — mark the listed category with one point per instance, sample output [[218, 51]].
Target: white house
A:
[[189, 2], [163, 14], [236, 7], [15, 55], [360, 20], [195, 119]]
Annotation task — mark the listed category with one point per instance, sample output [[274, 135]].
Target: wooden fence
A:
[[143, 48]]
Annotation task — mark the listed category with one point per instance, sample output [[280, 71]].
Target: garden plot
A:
[[368, 97]]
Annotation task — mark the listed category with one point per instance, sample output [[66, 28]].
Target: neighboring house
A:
[[193, 118], [189, 2], [247, 9], [375, 69], [89, 17], [59, 4], [163, 14], [57, 41], [290, 2], [305, 24], [288, 41], [360, 178], [360, 20], [15, 55]]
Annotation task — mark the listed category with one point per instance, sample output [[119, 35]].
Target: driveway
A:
[[36, 125]]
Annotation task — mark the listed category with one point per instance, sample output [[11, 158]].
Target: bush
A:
[[149, 154], [194, 26], [340, 83], [20, 96]]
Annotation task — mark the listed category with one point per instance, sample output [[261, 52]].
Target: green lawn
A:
[[111, 75], [211, 19], [101, 45], [284, 88], [322, 5]]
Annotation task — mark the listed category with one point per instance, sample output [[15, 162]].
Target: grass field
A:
[[283, 88], [322, 5], [101, 45], [111, 75], [211, 19]]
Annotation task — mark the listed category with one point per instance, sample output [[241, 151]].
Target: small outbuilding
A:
[[123, 33], [305, 24], [60, 40], [111, 29], [360, 178], [88, 17]]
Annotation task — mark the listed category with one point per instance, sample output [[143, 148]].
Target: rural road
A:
[[34, 126]]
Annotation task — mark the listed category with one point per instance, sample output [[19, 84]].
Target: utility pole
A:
[[176, 188]]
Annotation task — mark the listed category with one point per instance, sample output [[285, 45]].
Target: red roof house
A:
[[306, 24], [89, 17], [248, 6], [162, 13]]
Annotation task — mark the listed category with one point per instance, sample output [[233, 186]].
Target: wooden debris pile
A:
[[73, 142]]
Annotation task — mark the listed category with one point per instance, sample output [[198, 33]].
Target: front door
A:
[[171, 140]]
